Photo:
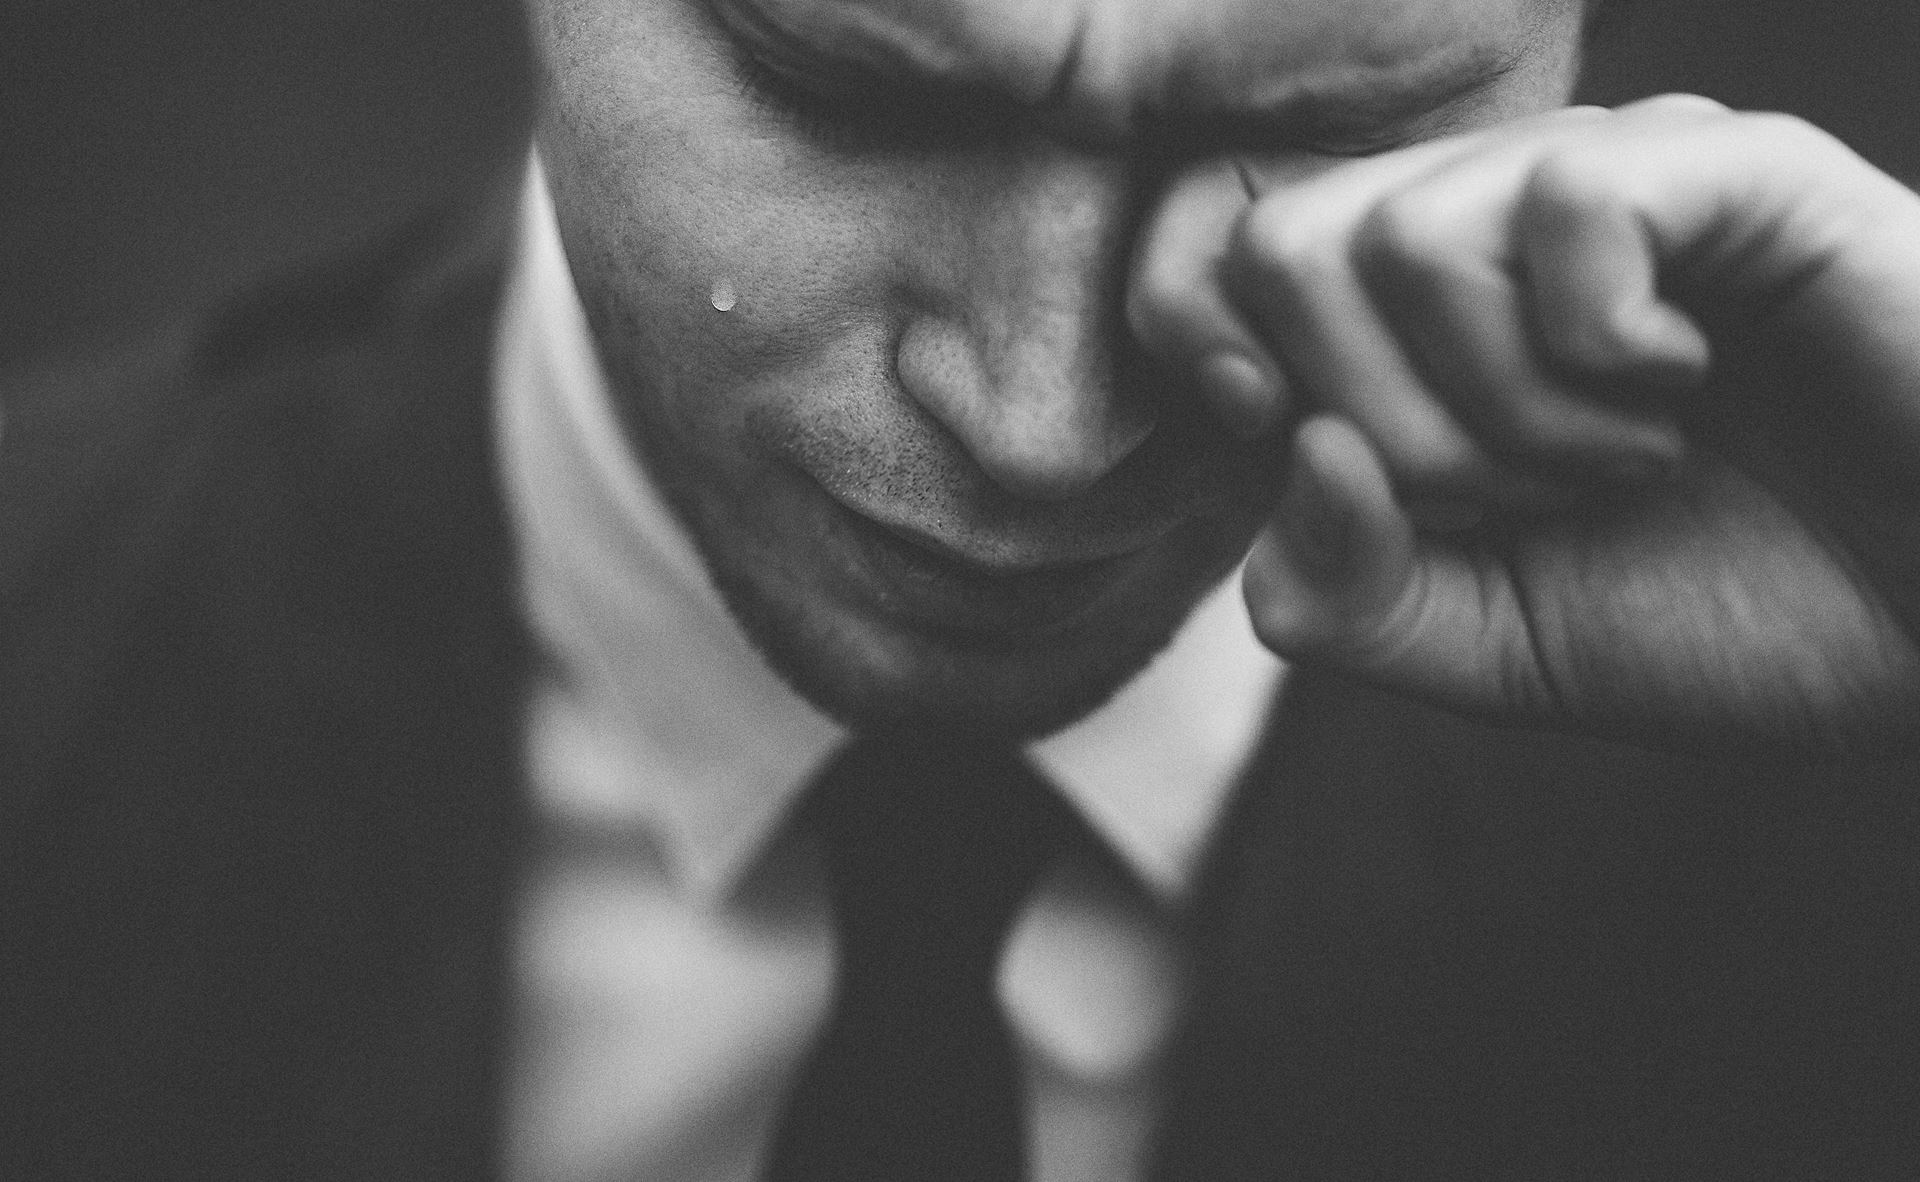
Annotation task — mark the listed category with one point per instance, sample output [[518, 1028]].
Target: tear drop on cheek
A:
[[722, 298]]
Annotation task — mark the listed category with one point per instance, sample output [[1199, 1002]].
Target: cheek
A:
[[723, 261]]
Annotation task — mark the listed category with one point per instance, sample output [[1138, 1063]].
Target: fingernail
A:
[[1245, 396]]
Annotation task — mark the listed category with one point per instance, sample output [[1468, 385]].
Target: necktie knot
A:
[[932, 842]]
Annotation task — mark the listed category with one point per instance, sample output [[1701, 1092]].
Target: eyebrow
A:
[[1361, 106]]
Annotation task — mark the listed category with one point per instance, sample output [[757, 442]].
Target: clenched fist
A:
[[1607, 420]]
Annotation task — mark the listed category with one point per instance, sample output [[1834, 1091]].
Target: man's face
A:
[[856, 268]]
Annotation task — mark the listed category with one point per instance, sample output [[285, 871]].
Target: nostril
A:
[[1044, 420], [1053, 457], [1049, 480]]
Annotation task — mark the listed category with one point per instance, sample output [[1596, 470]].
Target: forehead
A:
[[1121, 57]]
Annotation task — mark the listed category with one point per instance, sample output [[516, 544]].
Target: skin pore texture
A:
[[931, 472]]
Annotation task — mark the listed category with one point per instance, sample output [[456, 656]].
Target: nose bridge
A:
[[1051, 254], [1034, 307]]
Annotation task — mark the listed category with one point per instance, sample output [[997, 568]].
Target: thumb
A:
[[1330, 573], [1340, 579]]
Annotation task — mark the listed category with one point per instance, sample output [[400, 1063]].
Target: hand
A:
[[1661, 363]]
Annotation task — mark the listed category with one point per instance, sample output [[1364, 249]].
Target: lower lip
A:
[[942, 596]]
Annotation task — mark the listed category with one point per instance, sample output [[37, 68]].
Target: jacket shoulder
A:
[[193, 471], [259, 671]]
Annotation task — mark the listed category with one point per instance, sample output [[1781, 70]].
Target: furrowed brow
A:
[[1362, 109]]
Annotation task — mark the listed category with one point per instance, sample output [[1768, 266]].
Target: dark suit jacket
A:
[[259, 807]]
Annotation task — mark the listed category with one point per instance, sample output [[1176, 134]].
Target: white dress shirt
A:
[[674, 950]]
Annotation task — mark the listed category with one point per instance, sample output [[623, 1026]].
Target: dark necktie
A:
[[932, 847]]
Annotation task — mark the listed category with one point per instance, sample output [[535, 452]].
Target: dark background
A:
[[152, 155]]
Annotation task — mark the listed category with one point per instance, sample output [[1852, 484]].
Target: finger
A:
[[1435, 259], [1735, 208], [1334, 566], [1596, 307], [1437, 254], [1288, 266], [1296, 273], [1764, 224], [1386, 291], [1176, 308]]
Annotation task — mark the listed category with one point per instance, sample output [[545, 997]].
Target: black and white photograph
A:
[[959, 591]]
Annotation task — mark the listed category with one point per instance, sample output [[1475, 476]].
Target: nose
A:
[[1015, 353]]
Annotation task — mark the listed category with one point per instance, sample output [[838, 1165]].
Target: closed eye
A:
[[851, 106], [850, 110]]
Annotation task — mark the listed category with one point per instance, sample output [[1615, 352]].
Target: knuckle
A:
[[1283, 240], [1677, 104], [1409, 224], [1414, 225], [1572, 182], [1791, 133], [1407, 238]]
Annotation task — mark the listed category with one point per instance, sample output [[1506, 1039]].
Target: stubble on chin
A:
[[1007, 692]]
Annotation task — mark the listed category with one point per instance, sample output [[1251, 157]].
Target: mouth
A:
[[971, 597]]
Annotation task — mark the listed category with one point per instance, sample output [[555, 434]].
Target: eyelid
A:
[[1357, 147], [852, 114], [841, 115], [1320, 133], [819, 106], [778, 94], [853, 109], [852, 105], [769, 64]]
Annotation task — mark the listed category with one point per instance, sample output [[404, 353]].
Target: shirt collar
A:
[[677, 727]]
